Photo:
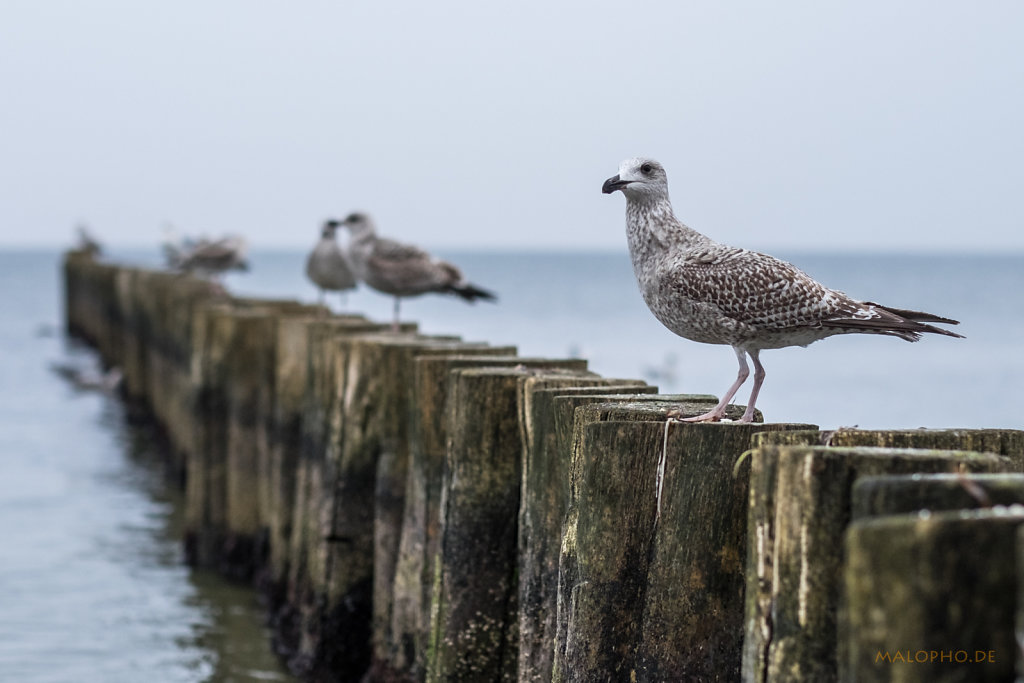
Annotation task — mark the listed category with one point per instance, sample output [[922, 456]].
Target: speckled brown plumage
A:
[[403, 270], [717, 294]]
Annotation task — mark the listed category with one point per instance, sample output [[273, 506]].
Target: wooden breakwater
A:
[[425, 508]]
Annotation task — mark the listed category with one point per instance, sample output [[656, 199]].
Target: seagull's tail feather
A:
[[908, 325], [919, 318], [916, 316], [470, 292]]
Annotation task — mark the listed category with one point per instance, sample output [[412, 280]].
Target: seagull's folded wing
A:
[[757, 289]]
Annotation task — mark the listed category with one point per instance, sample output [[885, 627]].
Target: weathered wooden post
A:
[[251, 368], [474, 612], [544, 501], [799, 509], [397, 359], [206, 489], [291, 379], [897, 494], [306, 621], [650, 576], [931, 597], [374, 373], [419, 542], [167, 306]]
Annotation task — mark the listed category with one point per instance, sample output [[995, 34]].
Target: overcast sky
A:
[[873, 125]]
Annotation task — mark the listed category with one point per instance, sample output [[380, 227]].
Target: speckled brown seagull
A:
[[716, 294], [403, 270]]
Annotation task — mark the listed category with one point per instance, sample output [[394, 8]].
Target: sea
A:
[[92, 570]]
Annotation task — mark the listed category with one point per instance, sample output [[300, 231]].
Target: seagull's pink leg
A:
[[748, 414], [394, 321], [718, 411]]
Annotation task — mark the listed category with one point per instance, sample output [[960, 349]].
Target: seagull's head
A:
[[330, 227], [358, 222], [639, 179]]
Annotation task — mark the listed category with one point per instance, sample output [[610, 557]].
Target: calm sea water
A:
[[92, 576]]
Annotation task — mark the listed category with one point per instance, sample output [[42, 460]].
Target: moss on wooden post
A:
[[896, 494], [1008, 442], [799, 509], [307, 626], [474, 612], [397, 360], [373, 374], [650, 584], [930, 597], [544, 501], [419, 543]]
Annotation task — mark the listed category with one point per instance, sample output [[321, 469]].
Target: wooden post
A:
[[398, 360], [799, 509], [474, 612], [1008, 442], [897, 494], [419, 542], [374, 373], [650, 574], [931, 597], [206, 490], [544, 502], [306, 627]]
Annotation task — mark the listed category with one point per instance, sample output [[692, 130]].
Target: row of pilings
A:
[[425, 508]]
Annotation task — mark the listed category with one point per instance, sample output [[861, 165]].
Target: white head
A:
[[640, 180], [359, 223]]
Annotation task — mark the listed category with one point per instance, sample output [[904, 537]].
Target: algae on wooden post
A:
[[896, 494], [799, 509], [373, 410], [310, 626], [931, 597], [650, 584], [1008, 442], [398, 360], [419, 545], [543, 504], [474, 613]]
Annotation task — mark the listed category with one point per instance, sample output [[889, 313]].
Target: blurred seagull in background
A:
[[715, 294], [87, 242], [403, 270], [175, 247], [212, 258], [204, 257], [327, 265]]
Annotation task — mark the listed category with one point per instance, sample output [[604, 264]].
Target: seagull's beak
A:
[[614, 183]]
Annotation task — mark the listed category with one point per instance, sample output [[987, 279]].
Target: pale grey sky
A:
[[874, 125]]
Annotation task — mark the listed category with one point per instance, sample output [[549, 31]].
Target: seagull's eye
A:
[[646, 169]]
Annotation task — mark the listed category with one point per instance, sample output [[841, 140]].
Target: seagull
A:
[[174, 247], [717, 294], [403, 270], [87, 242], [327, 265], [210, 258]]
